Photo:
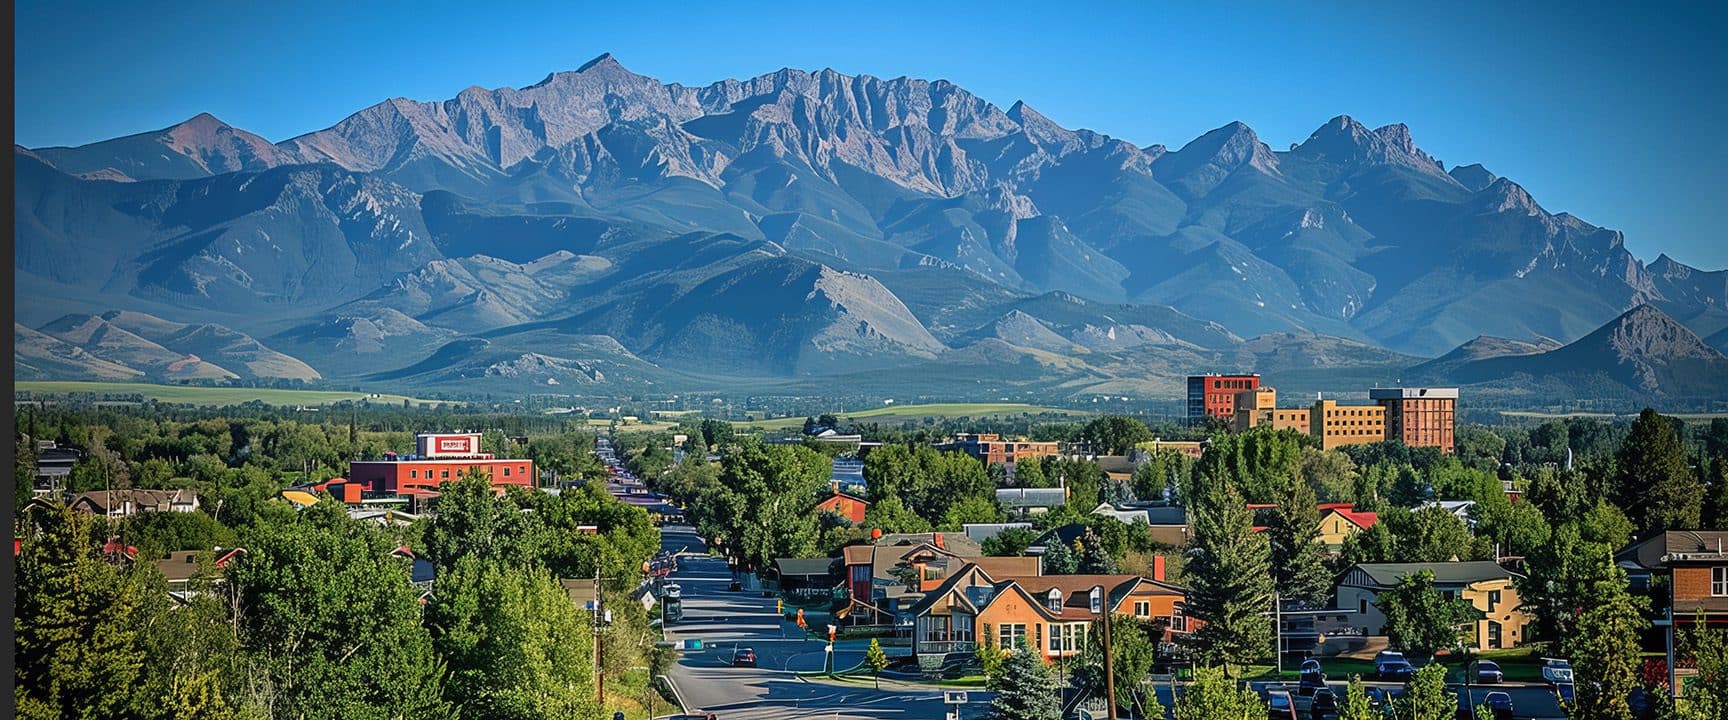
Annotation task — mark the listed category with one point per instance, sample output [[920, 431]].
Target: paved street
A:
[[725, 620]]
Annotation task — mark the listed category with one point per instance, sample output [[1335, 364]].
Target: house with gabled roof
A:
[[1054, 614], [1338, 521], [1488, 587]]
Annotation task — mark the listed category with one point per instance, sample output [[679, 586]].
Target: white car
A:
[[1556, 671]]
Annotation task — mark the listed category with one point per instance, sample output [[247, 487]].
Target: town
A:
[[1359, 556]]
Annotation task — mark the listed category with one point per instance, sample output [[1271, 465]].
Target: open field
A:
[[195, 395], [1605, 416], [896, 414]]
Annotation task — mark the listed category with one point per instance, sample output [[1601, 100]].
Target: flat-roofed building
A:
[[1215, 395], [1259, 408], [1339, 425], [1419, 417]]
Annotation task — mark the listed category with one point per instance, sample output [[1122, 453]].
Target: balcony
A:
[[944, 647]]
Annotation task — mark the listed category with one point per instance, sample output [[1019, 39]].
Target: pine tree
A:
[[1094, 560], [1655, 483], [1025, 690], [1230, 582], [1059, 559], [1604, 648], [1298, 563]]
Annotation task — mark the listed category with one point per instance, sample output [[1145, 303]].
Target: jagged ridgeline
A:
[[602, 227]]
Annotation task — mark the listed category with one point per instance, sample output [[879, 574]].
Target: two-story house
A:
[[1338, 521], [1685, 573], [1487, 586], [1054, 614]]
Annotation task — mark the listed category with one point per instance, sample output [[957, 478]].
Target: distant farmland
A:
[[196, 395], [896, 414]]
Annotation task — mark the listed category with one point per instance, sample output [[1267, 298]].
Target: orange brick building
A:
[[1420, 417], [441, 459], [993, 449], [1339, 425], [1215, 395]]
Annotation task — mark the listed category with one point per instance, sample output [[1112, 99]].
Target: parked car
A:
[[743, 657], [1488, 672], [1388, 656], [1556, 671], [1394, 670], [694, 716], [1381, 698], [1280, 706], [1310, 666], [1500, 704], [1324, 706]]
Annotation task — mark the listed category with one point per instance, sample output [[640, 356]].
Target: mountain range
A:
[[602, 227]]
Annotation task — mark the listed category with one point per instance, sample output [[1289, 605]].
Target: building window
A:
[[445, 474], [1142, 609], [1053, 600], [1719, 581], [506, 472], [1010, 635], [414, 473], [1096, 601], [1493, 600], [1493, 635], [1178, 620]]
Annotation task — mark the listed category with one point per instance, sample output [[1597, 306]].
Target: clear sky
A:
[[1611, 112]]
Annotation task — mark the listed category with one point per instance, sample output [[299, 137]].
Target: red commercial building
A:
[[440, 458], [1419, 417], [1215, 395]]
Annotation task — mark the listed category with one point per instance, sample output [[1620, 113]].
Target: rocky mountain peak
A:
[[1473, 177], [1503, 195]]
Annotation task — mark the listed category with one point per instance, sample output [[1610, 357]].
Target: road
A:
[[724, 620]]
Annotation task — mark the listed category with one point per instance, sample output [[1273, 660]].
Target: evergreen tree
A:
[[1229, 573], [1604, 648], [1025, 689], [990, 658], [1094, 560], [78, 653], [1561, 577], [1298, 563], [1420, 620], [1213, 696], [876, 660], [1059, 559], [1655, 482]]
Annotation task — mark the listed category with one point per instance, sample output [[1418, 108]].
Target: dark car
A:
[[1324, 706], [1280, 706], [1395, 670], [694, 716], [1488, 672], [1500, 704], [1381, 698], [743, 657]]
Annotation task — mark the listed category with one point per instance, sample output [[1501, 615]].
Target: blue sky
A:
[[1610, 112]]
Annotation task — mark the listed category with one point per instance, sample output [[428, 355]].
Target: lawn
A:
[[197, 395], [895, 414]]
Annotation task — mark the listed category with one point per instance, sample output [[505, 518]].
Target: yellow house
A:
[[1338, 521], [1485, 585]]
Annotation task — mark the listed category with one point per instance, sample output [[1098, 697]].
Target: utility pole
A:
[[1278, 632], [1109, 661]]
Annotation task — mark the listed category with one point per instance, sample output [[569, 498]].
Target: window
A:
[[506, 472], [1010, 635], [1096, 601], [1493, 635], [860, 573], [1362, 606], [1719, 581], [1178, 620], [1493, 600], [414, 473], [446, 473], [1053, 600], [1142, 609]]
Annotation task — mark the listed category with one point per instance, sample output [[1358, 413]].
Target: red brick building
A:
[[441, 458], [1419, 417], [1215, 395], [993, 449]]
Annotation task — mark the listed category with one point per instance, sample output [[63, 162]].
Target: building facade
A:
[[1487, 586], [994, 449], [1259, 408], [1339, 425], [442, 458], [1215, 395], [1419, 417]]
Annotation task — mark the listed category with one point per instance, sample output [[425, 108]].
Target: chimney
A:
[[938, 537], [1158, 568]]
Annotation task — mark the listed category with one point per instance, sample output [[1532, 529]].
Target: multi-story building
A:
[[441, 458], [1259, 407], [1339, 425], [1419, 417], [993, 449], [1215, 395]]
